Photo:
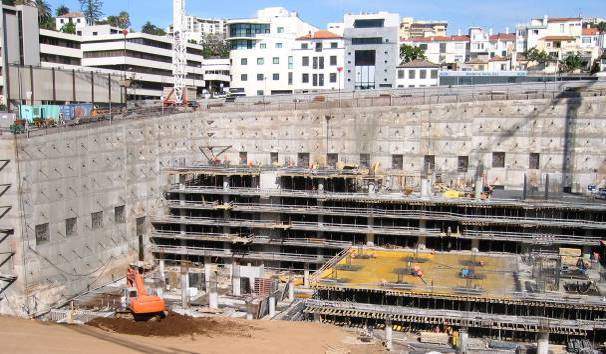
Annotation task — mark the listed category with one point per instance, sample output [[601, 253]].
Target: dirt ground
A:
[[28, 336]]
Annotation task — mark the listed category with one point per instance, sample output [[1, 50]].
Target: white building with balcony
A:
[[450, 51], [262, 59], [319, 61]]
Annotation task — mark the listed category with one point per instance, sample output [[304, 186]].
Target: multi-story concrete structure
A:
[[449, 51], [199, 28], [418, 73], [77, 18], [409, 28], [319, 59], [216, 74], [372, 50], [262, 60]]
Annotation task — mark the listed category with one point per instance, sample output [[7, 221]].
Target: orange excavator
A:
[[141, 305]]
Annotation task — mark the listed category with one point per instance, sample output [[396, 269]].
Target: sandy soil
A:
[[28, 336]]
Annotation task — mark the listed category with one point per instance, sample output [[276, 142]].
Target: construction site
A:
[[470, 222]]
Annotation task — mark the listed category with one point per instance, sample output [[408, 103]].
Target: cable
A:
[[68, 273]]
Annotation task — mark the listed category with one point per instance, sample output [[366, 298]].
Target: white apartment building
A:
[[198, 28], [449, 51], [319, 63], [77, 18], [372, 50], [418, 73], [262, 51], [411, 28], [556, 36], [216, 74]]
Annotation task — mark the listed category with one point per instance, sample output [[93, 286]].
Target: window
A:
[[429, 163], [280, 29], [244, 77], [365, 40], [260, 61], [304, 46], [305, 78], [278, 45], [463, 163], [397, 162], [333, 60], [263, 46], [498, 159], [290, 78], [260, 93], [334, 45], [244, 61], [96, 220], [273, 156], [315, 62], [401, 74], [321, 80], [333, 77], [260, 77], [534, 161], [365, 160], [332, 159], [369, 23], [291, 62], [412, 74], [303, 159], [243, 155], [423, 74], [71, 227], [276, 77], [423, 46], [434, 74], [120, 214], [305, 61], [442, 47], [315, 79], [321, 62], [276, 60], [42, 234], [319, 47]]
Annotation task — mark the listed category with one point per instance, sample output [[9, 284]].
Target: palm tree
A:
[[61, 10]]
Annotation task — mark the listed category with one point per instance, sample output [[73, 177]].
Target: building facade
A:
[[199, 28], [319, 60], [262, 60], [372, 50], [418, 73], [409, 28]]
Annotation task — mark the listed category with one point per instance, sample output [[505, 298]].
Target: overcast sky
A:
[[460, 14]]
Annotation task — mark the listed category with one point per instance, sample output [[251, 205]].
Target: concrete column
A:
[[291, 290], [475, 245], [161, 270], [422, 241], [543, 343], [479, 187], [272, 306], [207, 273], [388, 334], [306, 276], [235, 280], [370, 237], [425, 187], [463, 341], [213, 297], [249, 311], [317, 317], [184, 287]]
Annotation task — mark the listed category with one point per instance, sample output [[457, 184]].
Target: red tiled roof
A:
[[591, 31], [558, 38], [503, 37], [72, 15], [563, 19], [440, 39], [419, 63], [322, 34]]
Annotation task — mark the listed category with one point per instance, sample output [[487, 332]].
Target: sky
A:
[[461, 14]]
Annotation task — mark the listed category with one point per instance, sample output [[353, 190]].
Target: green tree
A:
[[150, 28], [92, 9], [573, 62], [122, 20], [61, 10], [214, 46], [409, 53], [601, 26], [69, 27], [539, 56]]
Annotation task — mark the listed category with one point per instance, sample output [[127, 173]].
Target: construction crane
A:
[[140, 304], [179, 51]]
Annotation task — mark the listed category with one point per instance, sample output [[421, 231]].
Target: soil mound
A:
[[173, 325]]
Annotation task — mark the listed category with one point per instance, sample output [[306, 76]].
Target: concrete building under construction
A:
[[483, 177]]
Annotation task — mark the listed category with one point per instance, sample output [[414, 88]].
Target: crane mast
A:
[[179, 50]]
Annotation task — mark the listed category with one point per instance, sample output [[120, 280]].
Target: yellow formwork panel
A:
[[441, 272]]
